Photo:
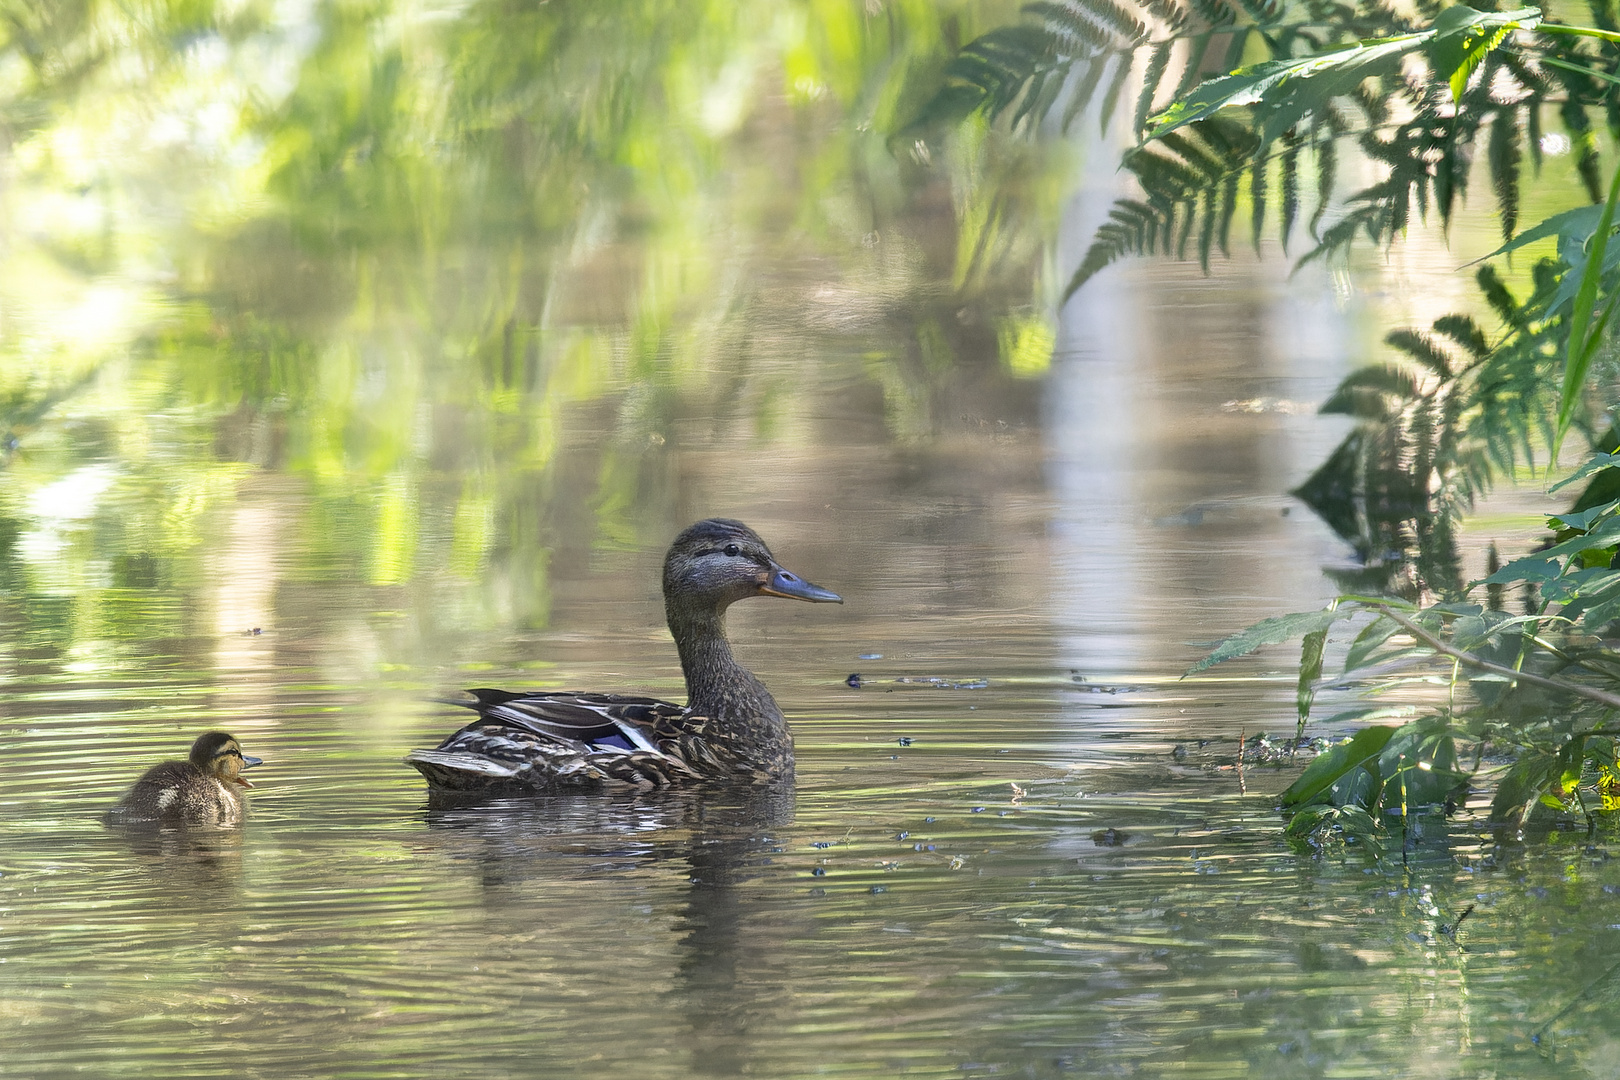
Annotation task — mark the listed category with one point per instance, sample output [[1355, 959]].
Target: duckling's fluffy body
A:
[[730, 729], [206, 789]]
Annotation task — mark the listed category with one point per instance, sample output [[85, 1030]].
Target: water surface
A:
[[401, 380]]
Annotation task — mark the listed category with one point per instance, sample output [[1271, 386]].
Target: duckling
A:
[[729, 730], [203, 790]]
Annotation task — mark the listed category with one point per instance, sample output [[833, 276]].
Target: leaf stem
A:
[[1577, 31], [1602, 697]]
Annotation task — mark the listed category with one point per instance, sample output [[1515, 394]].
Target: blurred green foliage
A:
[[409, 253]]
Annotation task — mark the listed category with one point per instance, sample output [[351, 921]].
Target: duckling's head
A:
[[718, 561], [218, 754]]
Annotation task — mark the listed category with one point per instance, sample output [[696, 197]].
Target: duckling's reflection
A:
[[719, 841], [199, 866]]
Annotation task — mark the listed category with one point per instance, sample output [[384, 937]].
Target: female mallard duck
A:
[[203, 790], [730, 728]]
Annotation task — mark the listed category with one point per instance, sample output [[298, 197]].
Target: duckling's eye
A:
[[733, 549]]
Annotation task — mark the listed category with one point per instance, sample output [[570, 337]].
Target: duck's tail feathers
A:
[[462, 772]]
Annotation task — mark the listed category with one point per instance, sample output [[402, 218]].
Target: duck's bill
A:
[[784, 583], [247, 763]]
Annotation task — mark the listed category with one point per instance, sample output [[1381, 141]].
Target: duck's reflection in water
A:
[[710, 844], [198, 866]]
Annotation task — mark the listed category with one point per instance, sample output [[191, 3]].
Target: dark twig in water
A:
[[1451, 931], [1591, 989]]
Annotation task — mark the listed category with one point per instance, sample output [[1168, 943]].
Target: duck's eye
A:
[[733, 549]]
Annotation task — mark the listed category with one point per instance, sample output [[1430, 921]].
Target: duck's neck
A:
[[713, 676], [744, 723]]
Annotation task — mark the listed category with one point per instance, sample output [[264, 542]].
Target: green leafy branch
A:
[[1542, 684], [1418, 98]]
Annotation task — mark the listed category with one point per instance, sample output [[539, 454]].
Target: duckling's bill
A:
[[248, 761]]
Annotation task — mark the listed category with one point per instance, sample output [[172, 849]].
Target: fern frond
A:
[[1375, 392], [1158, 61], [1289, 210], [1505, 151], [1110, 100], [1100, 23], [1215, 12], [1083, 91], [1465, 332], [1421, 347], [1170, 12], [1257, 202]]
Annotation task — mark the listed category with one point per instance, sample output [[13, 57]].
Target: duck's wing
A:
[[559, 739], [601, 721]]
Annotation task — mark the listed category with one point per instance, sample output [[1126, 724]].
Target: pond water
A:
[[403, 384]]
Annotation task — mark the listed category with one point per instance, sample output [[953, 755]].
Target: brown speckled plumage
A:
[[206, 789], [730, 729]]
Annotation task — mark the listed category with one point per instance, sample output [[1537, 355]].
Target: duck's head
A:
[[218, 754], [717, 562]]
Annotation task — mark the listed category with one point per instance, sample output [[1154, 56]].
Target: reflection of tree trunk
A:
[[727, 842], [244, 573]]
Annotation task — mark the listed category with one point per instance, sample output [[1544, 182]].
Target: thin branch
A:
[[1468, 658], [1577, 31]]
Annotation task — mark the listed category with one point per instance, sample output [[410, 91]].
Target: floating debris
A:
[[976, 810], [928, 820], [1018, 792], [870, 656], [1109, 837], [879, 889], [934, 682]]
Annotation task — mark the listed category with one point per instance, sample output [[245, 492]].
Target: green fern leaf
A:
[[1372, 392], [1169, 12], [1505, 151], [1257, 200], [1102, 22], [1206, 235], [1327, 157], [1421, 347], [1083, 91], [1229, 197], [1290, 191], [1215, 12], [1465, 332], [1157, 63], [1122, 73]]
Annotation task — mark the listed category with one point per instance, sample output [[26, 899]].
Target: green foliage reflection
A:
[[410, 253]]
